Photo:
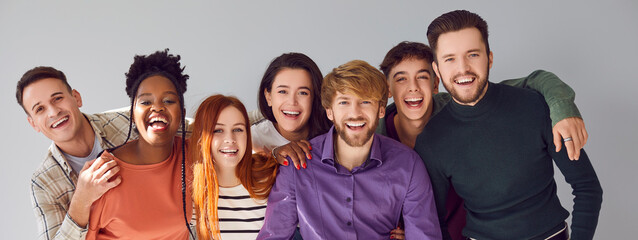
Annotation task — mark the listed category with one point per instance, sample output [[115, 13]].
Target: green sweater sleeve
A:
[[558, 95]]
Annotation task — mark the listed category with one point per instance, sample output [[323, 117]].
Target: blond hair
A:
[[358, 78]]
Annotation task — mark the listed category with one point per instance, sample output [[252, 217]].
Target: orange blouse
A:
[[147, 204]]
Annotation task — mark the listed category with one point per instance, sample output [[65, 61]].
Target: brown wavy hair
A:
[[256, 172]]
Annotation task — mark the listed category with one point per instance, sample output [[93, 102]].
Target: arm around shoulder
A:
[[558, 95]]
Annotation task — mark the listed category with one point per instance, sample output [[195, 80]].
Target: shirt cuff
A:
[[560, 110], [71, 230]]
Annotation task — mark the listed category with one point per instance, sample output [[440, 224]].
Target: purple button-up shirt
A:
[[330, 202]]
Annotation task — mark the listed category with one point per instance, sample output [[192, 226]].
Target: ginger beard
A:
[[358, 139], [355, 119]]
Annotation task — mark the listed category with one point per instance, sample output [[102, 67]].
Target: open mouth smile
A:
[[413, 101], [158, 122], [465, 80], [59, 122]]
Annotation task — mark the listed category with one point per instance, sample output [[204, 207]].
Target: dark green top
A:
[[498, 156], [558, 95]]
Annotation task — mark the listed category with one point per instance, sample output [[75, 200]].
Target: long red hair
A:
[[256, 172]]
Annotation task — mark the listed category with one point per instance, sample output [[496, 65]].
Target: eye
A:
[[39, 109], [238, 130], [473, 55], [448, 59], [342, 102], [366, 102], [145, 103], [400, 79], [282, 91], [56, 99], [218, 131], [169, 101], [304, 93]]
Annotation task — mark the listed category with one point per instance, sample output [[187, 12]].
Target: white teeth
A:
[[464, 80], [355, 124], [228, 151], [413, 99], [290, 112], [55, 124], [158, 119]]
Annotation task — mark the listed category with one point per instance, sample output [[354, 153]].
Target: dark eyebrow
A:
[[52, 95], [286, 86], [148, 94], [397, 73], [424, 70]]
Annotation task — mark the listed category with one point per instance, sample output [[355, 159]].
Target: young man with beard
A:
[[493, 144], [65, 186], [414, 87], [359, 183]]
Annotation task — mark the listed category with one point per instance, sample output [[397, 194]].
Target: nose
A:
[[356, 110], [412, 85], [463, 65], [294, 99], [229, 137], [158, 107], [53, 111]]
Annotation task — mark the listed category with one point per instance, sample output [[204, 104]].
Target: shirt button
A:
[[349, 223], [348, 200]]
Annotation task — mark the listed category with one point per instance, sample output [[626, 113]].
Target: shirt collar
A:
[[375, 158], [56, 153]]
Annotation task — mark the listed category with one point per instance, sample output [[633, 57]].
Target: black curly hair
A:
[[167, 65]]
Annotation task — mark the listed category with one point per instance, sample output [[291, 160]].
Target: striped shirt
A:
[[53, 183], [240, 216]]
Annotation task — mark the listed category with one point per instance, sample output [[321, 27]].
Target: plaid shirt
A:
[[53, 183]]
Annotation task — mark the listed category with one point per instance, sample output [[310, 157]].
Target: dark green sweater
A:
[[498, 155]]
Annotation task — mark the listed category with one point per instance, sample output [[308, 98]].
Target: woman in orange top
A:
[[230, 184], [151, 202]]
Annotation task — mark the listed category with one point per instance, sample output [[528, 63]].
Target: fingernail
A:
[[310, 147], [297, 166], [304, 165], [391, 237], [309, 156], [285, 162]]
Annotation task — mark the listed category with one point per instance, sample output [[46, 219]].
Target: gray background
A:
[[226, 46]]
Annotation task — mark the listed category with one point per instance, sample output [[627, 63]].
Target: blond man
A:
[[361, 183]]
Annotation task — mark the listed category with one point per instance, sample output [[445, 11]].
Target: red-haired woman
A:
[[230, 184]]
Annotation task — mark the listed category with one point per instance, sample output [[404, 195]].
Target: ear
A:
[[330, 114], [78, 98], [268, 97], [435, 81], [490, 59], [435, 68], [389, 92], [30, 120], [381, 111]]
